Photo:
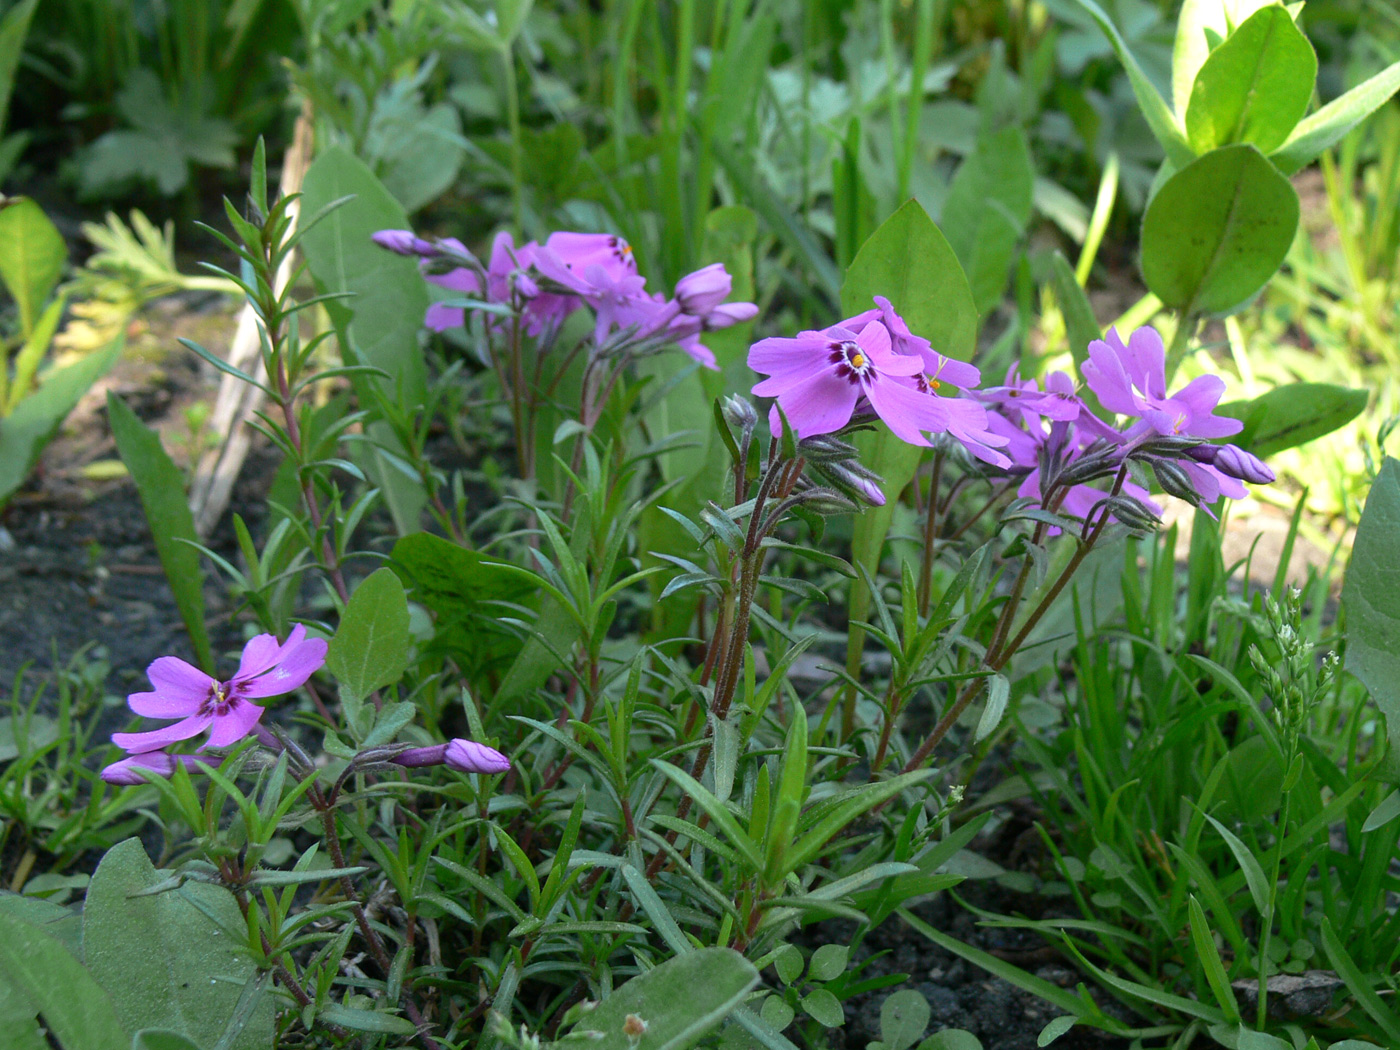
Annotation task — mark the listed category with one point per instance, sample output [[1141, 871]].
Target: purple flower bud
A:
[[1237, 463], [467, 756], [701, 292], [127, 771], [422, 756], [403, 242]]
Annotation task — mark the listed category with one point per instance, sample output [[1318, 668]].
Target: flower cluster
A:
[[1059, 445], [545, 283], [226, 710], [872, 366]]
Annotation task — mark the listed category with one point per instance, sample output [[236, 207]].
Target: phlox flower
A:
[[1131, 380], [225, 709], [821, 379]]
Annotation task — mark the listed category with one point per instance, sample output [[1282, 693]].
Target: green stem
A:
[[1185, 326]]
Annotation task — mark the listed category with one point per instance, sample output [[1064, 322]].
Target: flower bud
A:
[[127, 771], [404, 242], [1237, 463], [1174, 480], [701, 292], [415, 757], [739, 414], [1131, 512], [467, 756]]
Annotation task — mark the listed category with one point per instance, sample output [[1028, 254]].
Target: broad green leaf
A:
[[63, 924], [1329, 124], [1217, 230], [380, 324], [908, 261], [679, 1001], [903, 1019], [1164, 124], [76, 1011], [14, 27], [419, 151], [25, 432], [463, 589], [829, 962], [1294, 414], [32, 254], [823, 1007], [985, 213], [170, 959], [1201, 25], [370, 648], [162, 491], [1254, 87], [951, 1039], [1371, 597]]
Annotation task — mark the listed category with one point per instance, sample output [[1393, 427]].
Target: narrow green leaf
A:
[[1254, 876], [1209, 957], [1358, 983], [1329, 124]]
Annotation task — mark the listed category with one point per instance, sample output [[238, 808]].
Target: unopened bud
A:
[[1174, 480], [740, 414], [404, 242], [1237, 463], [825, 448], [1133, 513], [821, 500]]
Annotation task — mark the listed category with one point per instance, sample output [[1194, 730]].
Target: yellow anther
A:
[[857, 360]]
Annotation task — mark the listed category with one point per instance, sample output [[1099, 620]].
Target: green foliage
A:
[[986, 212], [1254, 87], [370, 648], [168, 956], [162, 492], [1293, 415], [1217, 230], [678, 1002], [1373, 602]]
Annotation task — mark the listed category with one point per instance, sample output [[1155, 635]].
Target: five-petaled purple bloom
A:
[[225, 709], [871, 364]]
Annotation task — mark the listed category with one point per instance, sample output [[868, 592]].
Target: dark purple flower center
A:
[[851, 363], [926, 383], [221, 699]]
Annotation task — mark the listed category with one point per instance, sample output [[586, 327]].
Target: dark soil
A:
[[77, 565]]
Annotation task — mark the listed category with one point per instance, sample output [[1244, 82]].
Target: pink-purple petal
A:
[[297, 665], [228, 729], [156, 739]]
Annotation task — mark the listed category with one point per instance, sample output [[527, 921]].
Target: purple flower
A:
[[224, 708], [1131, 380], [578, 251], [938, 370], [127, 771], [821, 379], [465, 756]]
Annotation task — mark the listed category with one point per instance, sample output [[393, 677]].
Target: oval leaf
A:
[[1217, 230]]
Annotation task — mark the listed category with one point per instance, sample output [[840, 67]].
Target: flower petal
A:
[[179, 689], [230, 728], [298, 663], [159, 738], [819, 404]]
